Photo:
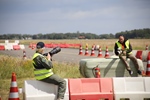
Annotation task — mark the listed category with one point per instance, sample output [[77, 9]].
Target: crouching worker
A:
[[123, 48], [43, 70]]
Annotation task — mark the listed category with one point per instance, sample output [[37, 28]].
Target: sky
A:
[[63, 16]]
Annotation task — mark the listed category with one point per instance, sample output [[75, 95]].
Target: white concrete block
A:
[[38, 90]]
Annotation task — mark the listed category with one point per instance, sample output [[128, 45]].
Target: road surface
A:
[[65, 55]]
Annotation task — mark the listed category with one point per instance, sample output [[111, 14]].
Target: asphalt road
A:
[[65, 55]]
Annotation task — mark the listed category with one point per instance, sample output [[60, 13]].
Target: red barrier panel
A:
[[139, 54], [2, 47], [48, 45], [90, 89], [16, 47], [32, 45]]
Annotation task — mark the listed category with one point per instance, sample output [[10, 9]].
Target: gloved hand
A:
[[119, 51]]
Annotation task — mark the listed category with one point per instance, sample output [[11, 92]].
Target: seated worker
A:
[[43, 70], [123, 48]]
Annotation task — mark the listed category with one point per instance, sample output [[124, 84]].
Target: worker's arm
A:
[[46, 63], [116, 49]]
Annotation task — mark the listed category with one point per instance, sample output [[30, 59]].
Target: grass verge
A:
[[24, 71]]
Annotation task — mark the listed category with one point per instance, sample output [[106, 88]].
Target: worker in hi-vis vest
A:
[[43, 70], [123, 48]]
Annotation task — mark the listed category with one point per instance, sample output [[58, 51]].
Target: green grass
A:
[[24, 70]]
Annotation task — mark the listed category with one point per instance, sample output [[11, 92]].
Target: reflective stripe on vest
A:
[[41, 73], [126, 43]]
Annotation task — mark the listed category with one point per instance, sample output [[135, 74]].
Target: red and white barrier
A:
[[116, 88]]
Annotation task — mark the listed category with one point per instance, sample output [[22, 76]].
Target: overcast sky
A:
[[94, 16]]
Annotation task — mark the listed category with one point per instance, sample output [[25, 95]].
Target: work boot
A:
[[139, 72], [130, 72]]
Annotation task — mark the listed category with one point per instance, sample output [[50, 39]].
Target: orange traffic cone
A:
[[100, 53], [146, 48], [13, 95], [80, 50], [94, 46], [107, 53], [86, 51], [148, 65], [32, 47], [24, 54], [92, 51]]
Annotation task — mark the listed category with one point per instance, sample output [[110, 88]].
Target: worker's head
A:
[[121, 38], [40, 47]]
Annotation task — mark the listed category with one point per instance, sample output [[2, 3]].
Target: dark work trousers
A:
[[132, 58], [54, 79]]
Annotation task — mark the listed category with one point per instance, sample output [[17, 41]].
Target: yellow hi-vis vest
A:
[[41, 73], [126, 43]]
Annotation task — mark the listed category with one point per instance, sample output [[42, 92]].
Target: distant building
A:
[[81, 37]]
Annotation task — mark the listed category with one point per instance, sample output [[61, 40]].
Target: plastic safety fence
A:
[[117, 88], [90, 89], [2, 47], [16, 47], [132, 88], [52, 45]]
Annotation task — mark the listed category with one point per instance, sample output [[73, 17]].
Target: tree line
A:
[[132, 34]]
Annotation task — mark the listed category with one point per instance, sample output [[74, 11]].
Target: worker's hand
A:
[[124, 53], [48, 56], [119, 51]]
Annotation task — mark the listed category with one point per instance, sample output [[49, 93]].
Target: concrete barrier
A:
[[109, 67], [131, 88], [38, 90]]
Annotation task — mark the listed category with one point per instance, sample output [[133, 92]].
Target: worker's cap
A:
[[40, 45]]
